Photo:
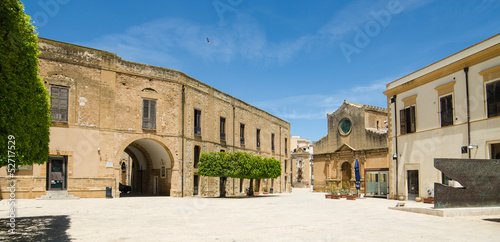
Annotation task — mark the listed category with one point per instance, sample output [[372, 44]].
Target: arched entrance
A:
[[146, 167], [346, 174]]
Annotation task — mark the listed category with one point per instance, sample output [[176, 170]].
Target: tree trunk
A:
[[250, 189], [222, 186]]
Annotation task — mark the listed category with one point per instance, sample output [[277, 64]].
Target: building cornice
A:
[[473, 55]]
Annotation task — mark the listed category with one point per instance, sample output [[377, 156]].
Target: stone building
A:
[[354, 131], [449, 109], [301, 158], [116, 121]]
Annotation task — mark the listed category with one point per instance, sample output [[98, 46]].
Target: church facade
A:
[[354, 132]]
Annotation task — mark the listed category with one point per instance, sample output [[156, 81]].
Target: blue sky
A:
[[297, 60]]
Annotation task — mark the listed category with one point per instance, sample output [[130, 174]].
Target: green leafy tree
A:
[[24, 101], [237, 165]]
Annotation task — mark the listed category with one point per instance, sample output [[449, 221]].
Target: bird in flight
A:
[[208, 41]]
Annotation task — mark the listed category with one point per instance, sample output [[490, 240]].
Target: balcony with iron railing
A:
[[222, 136], [242, 141]]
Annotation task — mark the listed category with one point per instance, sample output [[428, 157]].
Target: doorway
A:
[[346, 175], [57, 173], [412, 176], [495, 151], [377, 183], [195, 185]]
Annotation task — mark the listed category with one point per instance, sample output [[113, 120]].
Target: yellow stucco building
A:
[[449, 109]]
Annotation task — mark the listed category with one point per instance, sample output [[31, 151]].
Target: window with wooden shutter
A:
[[493, 98], [402, 120], [196, 159], [59, 103], [148, 114], [223, 129], [412, 118], [407, 120], [197, 122], [272, 142], [242, 134], [446, 111], [258, 138]]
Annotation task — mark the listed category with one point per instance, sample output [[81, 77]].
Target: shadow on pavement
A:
[[492, 220], [43, 228], [243, 196]]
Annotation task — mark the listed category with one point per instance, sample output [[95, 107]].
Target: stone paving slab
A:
[[450, 212], [297, 216]]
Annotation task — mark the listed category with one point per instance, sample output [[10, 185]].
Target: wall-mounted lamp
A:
[[57, 149], [471, 146], [394, 156]]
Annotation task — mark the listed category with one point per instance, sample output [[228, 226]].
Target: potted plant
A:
[[332, 192], [429, 200], [351, 196], [344, 191], [265, 190]]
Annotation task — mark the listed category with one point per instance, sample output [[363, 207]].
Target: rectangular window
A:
[[407, 120], [197, 122], [493, 98], [148, 113], [223, 129], [446, 105], [59, 103], [242, 134], [258, 138], [286, 149], [272, 142], [196, 157], [286, 163]]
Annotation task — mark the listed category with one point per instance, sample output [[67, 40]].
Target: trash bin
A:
[[108, 192], [271, 190]]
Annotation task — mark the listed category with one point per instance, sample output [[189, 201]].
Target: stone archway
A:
[[148, 167], [346, 174]]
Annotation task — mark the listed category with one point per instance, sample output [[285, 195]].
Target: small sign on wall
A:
[[109, 164]]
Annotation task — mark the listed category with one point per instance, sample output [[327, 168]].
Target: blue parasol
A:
[[356, 172]]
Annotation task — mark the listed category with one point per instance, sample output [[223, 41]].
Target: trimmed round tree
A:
[[237, 165], [24, 101]]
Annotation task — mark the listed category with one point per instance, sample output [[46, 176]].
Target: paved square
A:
[[299, 216]]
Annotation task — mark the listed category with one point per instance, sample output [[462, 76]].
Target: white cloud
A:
[[317, 106], [167, 40]]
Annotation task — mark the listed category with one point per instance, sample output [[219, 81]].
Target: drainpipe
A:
[[234, 126], [466, 70], [281, 157], [393, 100], [183, 120]]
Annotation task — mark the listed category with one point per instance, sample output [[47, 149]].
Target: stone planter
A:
[[429, 200], [351, 197], [335, 196], [328, 196], [343, 195]]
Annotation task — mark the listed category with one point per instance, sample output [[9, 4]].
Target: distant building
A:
[[354, 131], [301, 157], [116, 121], [449, 109]]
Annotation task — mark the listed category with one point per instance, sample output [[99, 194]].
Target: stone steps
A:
[[57, 195]]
